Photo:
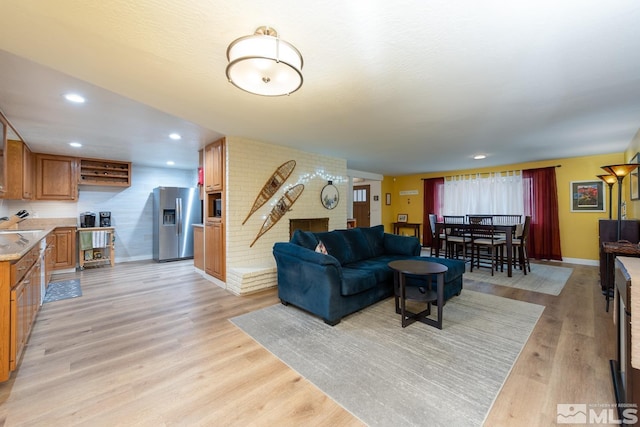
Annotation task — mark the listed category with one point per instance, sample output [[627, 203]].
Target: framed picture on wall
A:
[[587, 196], [634, 186]]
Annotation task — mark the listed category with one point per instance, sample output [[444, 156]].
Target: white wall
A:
[[131, 208]]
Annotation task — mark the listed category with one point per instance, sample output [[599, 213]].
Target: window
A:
[[360, 195]]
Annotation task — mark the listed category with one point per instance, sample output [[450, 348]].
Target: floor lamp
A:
[[620, 171], [610, 180]]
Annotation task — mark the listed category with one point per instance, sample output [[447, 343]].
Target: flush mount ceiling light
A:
[[263, 64], [74, 97]]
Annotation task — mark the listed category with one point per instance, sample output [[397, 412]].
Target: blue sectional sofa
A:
[[353, 274]]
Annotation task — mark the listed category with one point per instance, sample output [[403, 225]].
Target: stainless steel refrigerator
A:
[[175, 210]]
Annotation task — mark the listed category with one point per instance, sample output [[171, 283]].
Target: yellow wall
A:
[[578, 230]]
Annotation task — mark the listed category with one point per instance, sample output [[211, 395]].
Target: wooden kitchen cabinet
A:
[[4, 124], [105, 172], [198, 247], [214, 158], [20, 297], [64, 248], [49, 258], [25, 303], [214, 234], [19, 171], [27, 172], [214, 260], [56, 177]]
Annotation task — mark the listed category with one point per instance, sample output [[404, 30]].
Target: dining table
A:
[[508, 229]]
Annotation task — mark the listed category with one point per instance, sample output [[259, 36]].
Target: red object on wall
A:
[[200, 176]]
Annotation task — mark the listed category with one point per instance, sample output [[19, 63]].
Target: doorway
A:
[[362, 205]]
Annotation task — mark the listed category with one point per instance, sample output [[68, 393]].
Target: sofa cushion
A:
[[358, 243], [336, 245], [356, 280], [378, 266], [401, 245], [375, 238], [305, 239], [456, 267]]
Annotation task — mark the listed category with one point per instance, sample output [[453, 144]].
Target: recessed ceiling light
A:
[[175, 136], [75, 144], [171, 163], [479, 157], [74, 97]]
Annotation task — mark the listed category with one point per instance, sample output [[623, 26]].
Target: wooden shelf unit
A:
[[105, 172], [97, 255]]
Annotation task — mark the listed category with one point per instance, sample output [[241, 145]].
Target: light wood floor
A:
[[150, 344]]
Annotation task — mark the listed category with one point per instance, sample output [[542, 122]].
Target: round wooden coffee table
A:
[[418, 293]]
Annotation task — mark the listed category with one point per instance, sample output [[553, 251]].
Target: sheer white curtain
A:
[[499, 193]]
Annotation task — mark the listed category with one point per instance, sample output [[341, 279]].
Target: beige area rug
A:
[[547, 279], [386, 375]]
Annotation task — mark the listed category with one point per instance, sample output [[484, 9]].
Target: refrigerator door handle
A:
[[179, 215]]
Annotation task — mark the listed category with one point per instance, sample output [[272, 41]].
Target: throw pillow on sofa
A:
[[320, 248]]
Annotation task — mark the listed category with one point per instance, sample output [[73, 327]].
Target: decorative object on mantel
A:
[[263, 64], [281, 207], [272, 185], [620, 171], [329, 196]]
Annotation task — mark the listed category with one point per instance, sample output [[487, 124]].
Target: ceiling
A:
[[395, 88]]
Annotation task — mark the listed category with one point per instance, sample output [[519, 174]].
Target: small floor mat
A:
[[63, 289]]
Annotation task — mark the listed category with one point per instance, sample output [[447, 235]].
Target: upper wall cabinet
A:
[[105, 172], [3, 151], [19, 171], [56, 177], [214, 166]]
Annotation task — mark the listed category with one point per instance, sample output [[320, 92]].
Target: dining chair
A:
[[441, 237], [484, 237], [507, 219], [456, 239], [519, 245]]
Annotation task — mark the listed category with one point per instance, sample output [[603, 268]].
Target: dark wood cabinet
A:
[[608, 232], [626, 377]]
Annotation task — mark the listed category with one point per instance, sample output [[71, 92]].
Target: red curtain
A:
[[432, 199], [541, 202]]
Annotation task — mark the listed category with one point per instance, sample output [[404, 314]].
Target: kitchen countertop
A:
[[21, 238], [14, 244]]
